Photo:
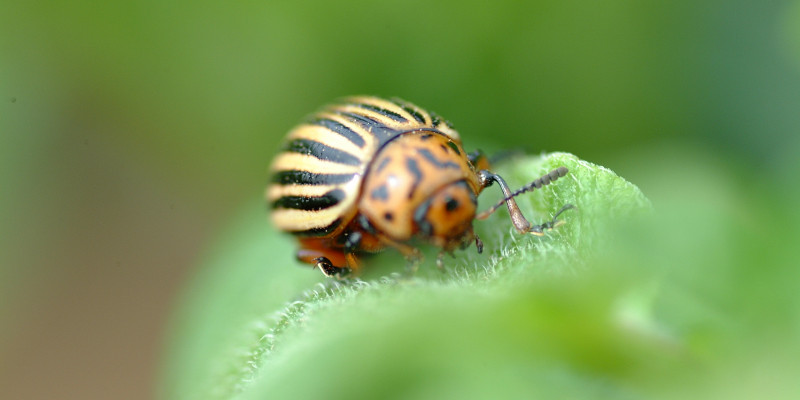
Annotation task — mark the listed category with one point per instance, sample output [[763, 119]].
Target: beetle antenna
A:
[[522, 225]]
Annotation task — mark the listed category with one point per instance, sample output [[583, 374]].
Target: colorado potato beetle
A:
[[367, 173]]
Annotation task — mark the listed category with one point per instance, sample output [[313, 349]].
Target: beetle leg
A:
[[520, 223], [329, 269], [440, 261], [411, 253], [353, 242], [538, 230], [331, 262], [413, 258], [353, 264], [351, 245]]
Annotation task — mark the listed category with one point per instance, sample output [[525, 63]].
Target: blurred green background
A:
[[131, 133]]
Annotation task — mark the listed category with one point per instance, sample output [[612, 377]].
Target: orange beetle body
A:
[[367, 173]]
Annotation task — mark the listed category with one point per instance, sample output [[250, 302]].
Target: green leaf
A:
[[390, 335], [621, 301]]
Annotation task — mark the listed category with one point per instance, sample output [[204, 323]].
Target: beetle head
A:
[[445, 219]]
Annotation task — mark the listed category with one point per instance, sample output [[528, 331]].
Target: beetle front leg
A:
[[538, 230], [412, 254], [522, 225], [324, 265], [331, 262]]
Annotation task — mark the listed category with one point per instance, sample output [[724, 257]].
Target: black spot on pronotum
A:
[[388, 216], [310, 203], [451, 204], [380, 193], [426, 136], [430, 157], [321, 151], [413, 168], [383, 163]]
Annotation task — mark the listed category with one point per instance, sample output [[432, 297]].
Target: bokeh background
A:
[[131, 133]]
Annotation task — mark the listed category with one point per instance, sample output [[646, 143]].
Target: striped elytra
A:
[[318, 173], [367, 173]]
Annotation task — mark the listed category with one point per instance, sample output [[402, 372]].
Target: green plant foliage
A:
[[625, 300]]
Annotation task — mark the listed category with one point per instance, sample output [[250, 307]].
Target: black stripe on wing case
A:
[[321, 231], [294, 177], [417, 116], [382, 111], [321, 151], [340, 129], [435, 119], [310, 203], [382, 132]]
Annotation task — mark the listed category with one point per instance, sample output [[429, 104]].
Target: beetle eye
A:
[[447, 215], [451, 204]]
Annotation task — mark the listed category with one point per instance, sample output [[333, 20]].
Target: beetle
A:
[[367, 173]]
